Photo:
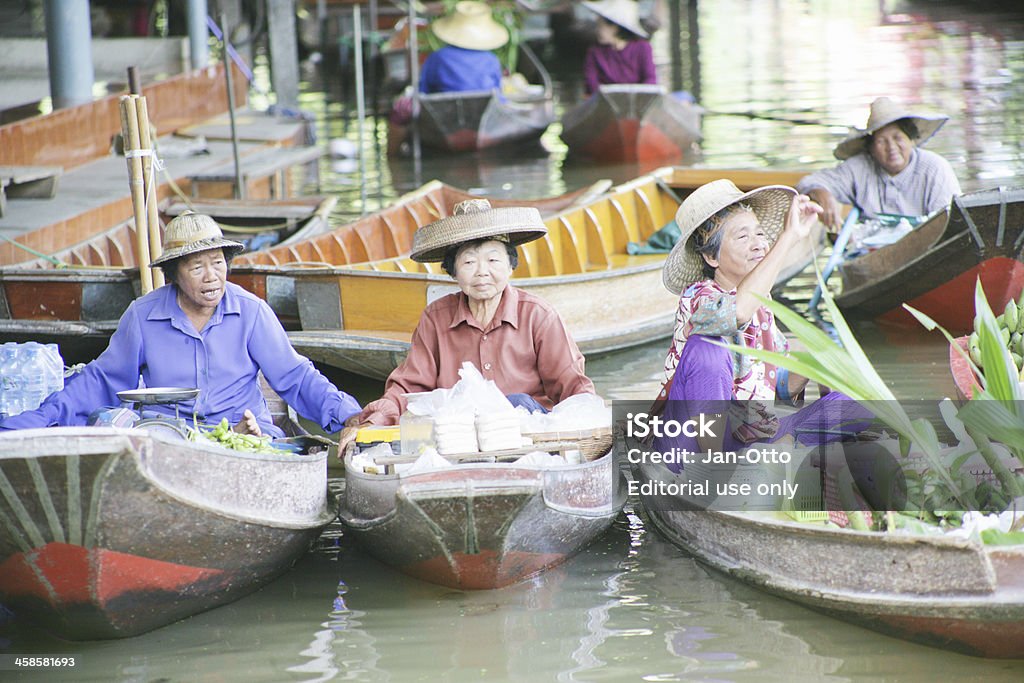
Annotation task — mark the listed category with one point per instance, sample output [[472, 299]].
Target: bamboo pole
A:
[[132, 142], [149, 189]]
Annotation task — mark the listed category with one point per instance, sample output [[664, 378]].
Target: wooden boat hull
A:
[[270, 273], [632, 124], [481, 526], [947, 593], [935, 268], [469, 122], [609, 298], [101, 278], [111, 533], [478, 120]]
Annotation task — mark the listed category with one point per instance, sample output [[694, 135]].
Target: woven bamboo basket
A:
[[593, 443]]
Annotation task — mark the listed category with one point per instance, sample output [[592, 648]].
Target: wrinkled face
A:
[[891, 148], [201, 278], [483, 270], [744, 244], [607, 32]]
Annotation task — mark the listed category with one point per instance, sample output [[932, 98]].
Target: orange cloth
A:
[[525, 349]]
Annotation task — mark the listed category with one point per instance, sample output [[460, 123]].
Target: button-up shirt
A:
[[925, 185], [456, 69], [526, 348], [156, 339]]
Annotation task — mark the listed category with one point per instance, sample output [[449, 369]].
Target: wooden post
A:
[[132, 143], [150, 184]]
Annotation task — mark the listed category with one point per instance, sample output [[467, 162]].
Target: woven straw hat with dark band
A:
[[474, 219], [471, 26], [883, 112], [189, 233], [684, 265]]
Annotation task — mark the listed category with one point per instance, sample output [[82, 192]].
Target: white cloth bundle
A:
[[498, 431], [455, 433]]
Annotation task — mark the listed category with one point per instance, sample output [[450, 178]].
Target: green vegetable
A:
[[224, 435]]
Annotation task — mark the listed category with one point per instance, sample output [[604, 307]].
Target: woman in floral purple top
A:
[[732, 247]]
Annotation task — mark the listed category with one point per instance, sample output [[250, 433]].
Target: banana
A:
[[1010, 316]]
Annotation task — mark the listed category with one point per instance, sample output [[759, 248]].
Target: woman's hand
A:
[[248, 424], [802, 216], [348, 435], [832, 211]]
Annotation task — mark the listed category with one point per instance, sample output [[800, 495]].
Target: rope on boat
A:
[[55, 261]]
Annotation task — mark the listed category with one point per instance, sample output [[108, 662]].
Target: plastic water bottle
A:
[[55, 369], [10, 378], [34, 371]]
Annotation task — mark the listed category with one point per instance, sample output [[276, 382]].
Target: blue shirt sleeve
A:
[[293, 376]]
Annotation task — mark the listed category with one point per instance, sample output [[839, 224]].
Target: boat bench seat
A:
[[630, 260], [28, 182], [263, 173]]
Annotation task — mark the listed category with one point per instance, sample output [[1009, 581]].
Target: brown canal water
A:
[[781, 80]]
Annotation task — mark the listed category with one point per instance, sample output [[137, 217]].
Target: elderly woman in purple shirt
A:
[[204, 332], [622, 54], [884, 169]]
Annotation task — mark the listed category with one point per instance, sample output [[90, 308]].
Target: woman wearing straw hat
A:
[[513, 337], [199, 331], [466, 61], [883, 168], [622, 53], [464, 64], [732, 247]]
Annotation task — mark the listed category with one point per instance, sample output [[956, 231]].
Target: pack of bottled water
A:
[[29, 373]]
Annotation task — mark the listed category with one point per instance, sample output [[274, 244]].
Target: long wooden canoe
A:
[[90, 284], [476, 120], [269, 273], [635, 123], [109, 533], [948, 593], [609, 298], [935, 267], [481, 525]]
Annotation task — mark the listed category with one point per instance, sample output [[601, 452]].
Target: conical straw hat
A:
[[624, 13], [471, 26], [684, 265], [474, 219], [883, 112], [191, 232]]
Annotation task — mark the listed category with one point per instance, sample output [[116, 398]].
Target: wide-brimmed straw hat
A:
[[471, 26], [189, 233], [474, 219], [883, 112], [684, 265], [624, 13]]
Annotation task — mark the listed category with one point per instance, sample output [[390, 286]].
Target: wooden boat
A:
[[269, 273], [481, 525], [635, 123], [110, 533], [90, 284], [935, 267], [476, 120], [609, 298], [944, 592]]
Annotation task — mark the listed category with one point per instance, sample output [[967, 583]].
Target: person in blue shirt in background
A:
[[198, 331], [465, 63]]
